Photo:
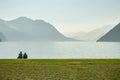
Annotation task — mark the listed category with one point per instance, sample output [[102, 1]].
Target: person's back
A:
[[20, 56], [25, 56]]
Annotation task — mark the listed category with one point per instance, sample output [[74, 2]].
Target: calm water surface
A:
[[61, 49]]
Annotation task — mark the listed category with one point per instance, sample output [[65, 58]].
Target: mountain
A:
[[113, 35], [78, 35], [25, 29], [2, 37], [93, 35]]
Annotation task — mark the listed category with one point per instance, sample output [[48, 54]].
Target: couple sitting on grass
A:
[[22, 56]]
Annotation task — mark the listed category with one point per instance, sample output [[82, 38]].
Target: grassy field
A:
[[60, 69]]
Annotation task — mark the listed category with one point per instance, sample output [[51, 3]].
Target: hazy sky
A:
[[65, 15]]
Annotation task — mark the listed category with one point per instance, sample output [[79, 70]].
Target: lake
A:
[[61, 49]]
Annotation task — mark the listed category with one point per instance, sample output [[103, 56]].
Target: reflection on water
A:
[[61, 49]]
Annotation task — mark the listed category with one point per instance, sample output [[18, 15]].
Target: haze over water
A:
[[61, 49]]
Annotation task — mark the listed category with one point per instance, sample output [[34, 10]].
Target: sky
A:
[[66, 15]]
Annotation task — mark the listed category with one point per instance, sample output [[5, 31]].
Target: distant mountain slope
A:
[[113, 35], [25, 29], [2, 37], [92, 35]]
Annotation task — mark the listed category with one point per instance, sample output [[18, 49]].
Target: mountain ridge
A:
[[2, 38], [23, 28], [91, 36], [112, 35]]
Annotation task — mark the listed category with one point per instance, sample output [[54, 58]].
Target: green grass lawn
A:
[[60, 69]]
